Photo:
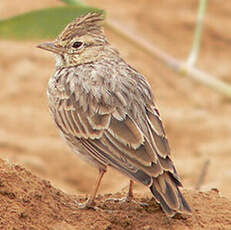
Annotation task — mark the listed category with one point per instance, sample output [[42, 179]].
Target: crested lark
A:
[[105, 111]]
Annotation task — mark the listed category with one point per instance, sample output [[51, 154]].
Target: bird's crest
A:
[[86, 24]]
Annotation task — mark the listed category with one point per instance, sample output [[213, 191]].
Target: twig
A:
[[203, 173], [198, 32]]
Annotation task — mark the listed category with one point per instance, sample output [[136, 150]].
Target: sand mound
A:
[[28, 202]]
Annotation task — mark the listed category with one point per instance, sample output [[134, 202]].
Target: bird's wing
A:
[[124, 132]]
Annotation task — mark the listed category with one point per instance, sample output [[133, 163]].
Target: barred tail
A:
[[165, 189]]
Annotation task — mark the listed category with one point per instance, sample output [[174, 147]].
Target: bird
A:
[[106, 112]]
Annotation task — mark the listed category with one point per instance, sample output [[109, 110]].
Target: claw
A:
[[126, 199], [88, 205]]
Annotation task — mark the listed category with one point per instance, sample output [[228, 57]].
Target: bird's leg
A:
[[90, 202], [91, 199], [130, 195]]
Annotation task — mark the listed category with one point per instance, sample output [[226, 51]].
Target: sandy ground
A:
[[197, 119]]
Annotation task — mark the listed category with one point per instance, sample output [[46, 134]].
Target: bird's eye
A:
[[77, 45]]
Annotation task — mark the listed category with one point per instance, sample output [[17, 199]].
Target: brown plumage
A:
[[105, 111]]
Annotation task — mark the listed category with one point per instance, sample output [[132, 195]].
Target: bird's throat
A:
[[60, 60]]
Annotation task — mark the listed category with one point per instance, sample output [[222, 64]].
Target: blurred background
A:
[[196, 118]]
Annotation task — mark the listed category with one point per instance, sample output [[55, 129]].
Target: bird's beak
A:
[[50, 46]]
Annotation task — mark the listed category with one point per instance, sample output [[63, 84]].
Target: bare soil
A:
[[28, 202], [197, 121]]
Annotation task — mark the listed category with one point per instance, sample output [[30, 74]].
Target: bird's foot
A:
[[127, 199], [87, 205]]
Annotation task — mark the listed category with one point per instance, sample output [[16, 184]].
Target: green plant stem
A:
[[198, 32]]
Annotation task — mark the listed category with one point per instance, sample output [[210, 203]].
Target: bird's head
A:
[[82, 41]]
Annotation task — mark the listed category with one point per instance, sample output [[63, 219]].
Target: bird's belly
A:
[[76, 147]]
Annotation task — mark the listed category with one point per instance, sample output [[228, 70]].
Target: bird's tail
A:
[[165, 189]]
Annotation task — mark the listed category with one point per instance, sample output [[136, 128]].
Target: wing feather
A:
[[120, 149], [155, 121], [78, 124], [62, 122], [126, 131], [99, 122], [120, 163]]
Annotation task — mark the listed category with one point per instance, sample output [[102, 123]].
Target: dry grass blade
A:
[[202, 176]]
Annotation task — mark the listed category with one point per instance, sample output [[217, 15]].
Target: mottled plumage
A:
[[105, 111]]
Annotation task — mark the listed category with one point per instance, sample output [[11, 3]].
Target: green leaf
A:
[[73, 2], [41, 24]]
